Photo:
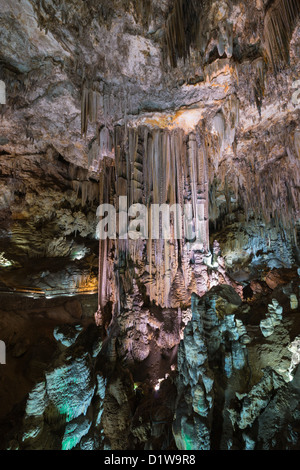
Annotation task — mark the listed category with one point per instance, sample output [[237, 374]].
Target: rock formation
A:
[[179, 329]]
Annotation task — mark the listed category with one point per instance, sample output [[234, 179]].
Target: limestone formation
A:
[[149, 224]]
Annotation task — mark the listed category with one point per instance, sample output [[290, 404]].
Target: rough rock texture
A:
[[195, 343], [231, 382]]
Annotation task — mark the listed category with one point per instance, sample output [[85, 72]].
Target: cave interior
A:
[[176, 330]]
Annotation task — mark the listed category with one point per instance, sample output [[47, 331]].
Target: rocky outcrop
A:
[[230, 382]]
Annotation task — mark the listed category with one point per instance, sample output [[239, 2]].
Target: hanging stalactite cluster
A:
[[142, 10], [90, 104], [280, 22], [159, 167], [273, 195], [83, 186], [267, 193], [183, 28]]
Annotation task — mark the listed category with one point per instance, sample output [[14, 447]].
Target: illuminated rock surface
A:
[[194, 345]]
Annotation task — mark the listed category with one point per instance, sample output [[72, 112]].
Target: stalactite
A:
[[88, 190], [156, 166], [106, 196], [259, 83], [90, 103], [280, 21], [142, 11], [183, 29]]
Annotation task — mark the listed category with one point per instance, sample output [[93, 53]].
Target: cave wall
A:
[[193, 345]]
